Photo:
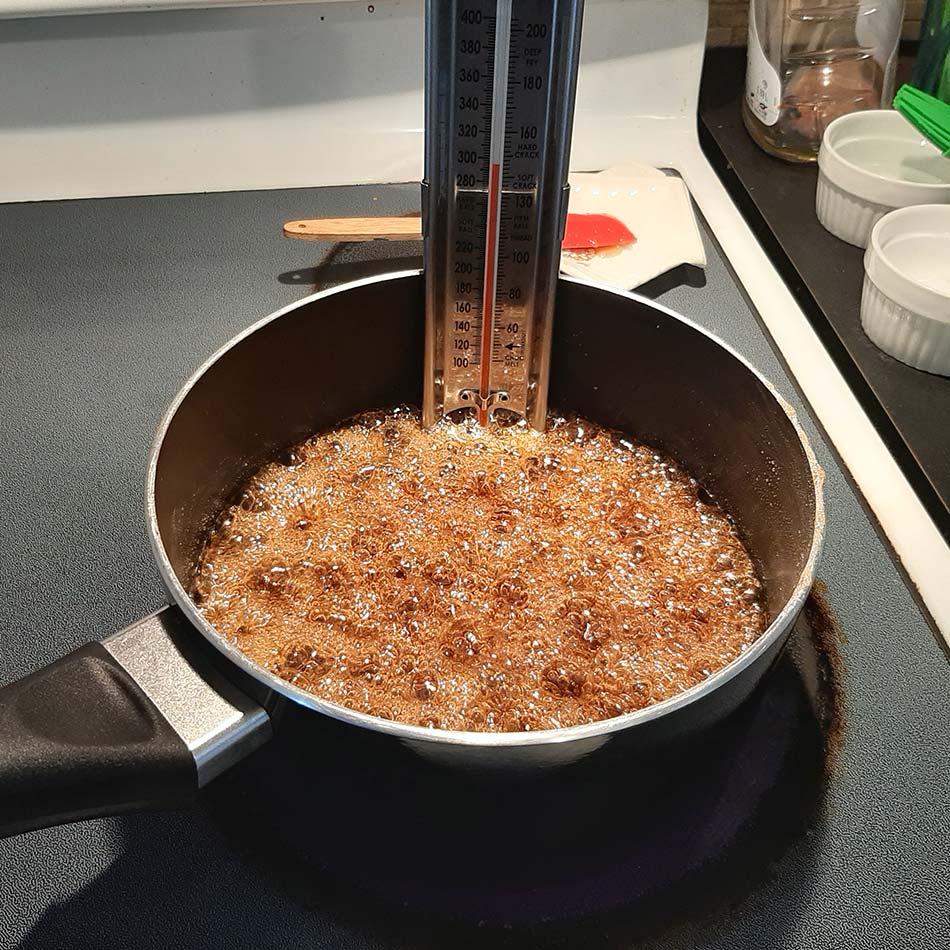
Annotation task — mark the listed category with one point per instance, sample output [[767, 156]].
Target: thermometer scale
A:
[[500, 79]]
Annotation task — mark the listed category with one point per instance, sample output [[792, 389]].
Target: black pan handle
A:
[[139, 721]]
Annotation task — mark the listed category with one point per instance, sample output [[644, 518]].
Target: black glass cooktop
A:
[[641, 844], [817, 816]]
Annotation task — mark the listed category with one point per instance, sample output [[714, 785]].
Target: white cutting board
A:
[[654, 206]]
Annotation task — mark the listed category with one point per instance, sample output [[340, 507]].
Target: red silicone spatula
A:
[[591, 231], [583, 231]]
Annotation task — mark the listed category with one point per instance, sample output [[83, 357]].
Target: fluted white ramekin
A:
[[905, 305], [871, 163]]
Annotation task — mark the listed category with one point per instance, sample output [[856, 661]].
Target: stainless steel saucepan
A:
[[150, 714]]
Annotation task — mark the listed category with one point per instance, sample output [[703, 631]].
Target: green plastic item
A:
[[929, 115]]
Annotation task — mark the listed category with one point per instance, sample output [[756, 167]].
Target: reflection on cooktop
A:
[[361, 826]]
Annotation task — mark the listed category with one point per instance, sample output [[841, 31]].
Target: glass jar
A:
[[810, 61]]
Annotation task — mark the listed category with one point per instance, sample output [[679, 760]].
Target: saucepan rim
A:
[[776, 629]]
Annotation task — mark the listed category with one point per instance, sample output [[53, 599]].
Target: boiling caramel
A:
[[492, 579]]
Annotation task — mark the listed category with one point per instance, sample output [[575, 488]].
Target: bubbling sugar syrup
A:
[[480, 578]]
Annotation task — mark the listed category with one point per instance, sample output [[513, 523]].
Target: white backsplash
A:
[[274, 96]]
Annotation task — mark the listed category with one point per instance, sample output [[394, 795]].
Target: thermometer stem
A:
[[495, 177], [500, 78]]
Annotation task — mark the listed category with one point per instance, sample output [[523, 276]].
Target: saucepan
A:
[[148, 715]]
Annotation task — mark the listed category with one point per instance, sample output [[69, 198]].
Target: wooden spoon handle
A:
[[356, 229]]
